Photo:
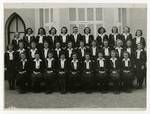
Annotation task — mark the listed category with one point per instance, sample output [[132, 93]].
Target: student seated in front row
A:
[[115, 72], [37, 70], [62, 70], [23, 68], [87, 74], [50, 73], [74, 73], [127, 72], [102, 72]]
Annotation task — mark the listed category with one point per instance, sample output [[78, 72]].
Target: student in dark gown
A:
[[10, 65]]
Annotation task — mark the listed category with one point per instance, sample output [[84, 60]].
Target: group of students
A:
[[76, 62]]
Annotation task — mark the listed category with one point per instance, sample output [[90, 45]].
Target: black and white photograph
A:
[[75, 56]]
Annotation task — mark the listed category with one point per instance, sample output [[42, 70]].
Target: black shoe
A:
[[48, 92]]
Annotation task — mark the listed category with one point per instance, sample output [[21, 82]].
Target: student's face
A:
[[101, 30], [46, 45], [119, 43], [63, 31], [10, 47], [16, 35], [113, 54], [57, 45], [93, 43], [126, 30], [125, 55], [87, 57], [105, 43], [62, 56], [100, 55], [87, 30], [22, 56], [114, 30], [74, 56], [21, 45], [41, 31], [50, 55], [29, 31], [129, 43], [139, 33], [69, 45], [37, 56], [75, 30], [139, 46], [53, 31], [81, 44], [33, 45]]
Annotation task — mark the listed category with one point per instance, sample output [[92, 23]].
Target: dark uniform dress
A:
[[87, 39], [87, 75], [64, 39], [57, 52], [10, 65], [119, 52], [40, 41], [81, 53], [23, 68], [93, 52], [114, 67], [138, 40], [76, 38], [74, 75], [106, 51], [52, 39], [131, 52], [31, 54], [37, 74], [126, 37], [44, 53], [100, 39], [68, 53], [113, 39], [127, 74], [49, 75], [15, 43], [102, 73], [62, 70], [139, 63], [28, 39]]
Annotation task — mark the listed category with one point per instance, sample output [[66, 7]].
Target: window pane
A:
[[90, 14], [46, 15], [41, 17], [81, 28], [124, 16], [51, 14], [119, 14], [72, 14], [99, 14], [81, 12], [20, 26], [13, 26]]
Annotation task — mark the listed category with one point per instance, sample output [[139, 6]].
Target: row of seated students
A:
[[69, 65]]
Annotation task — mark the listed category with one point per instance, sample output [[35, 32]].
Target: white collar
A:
[[63, 34], [138, 37], [29, 35], [33, 49], [10, 52], [70, 49], [93, 47], [62, 60], [24, 60], [57, 49], [52, 35], [21, 50], [41, 35], [119, 48], [126, 34], [82, 48], [75, 34], [50, 59], [125, 59], [114, 33], [100, 59], [46, 49], [87, 34], [37, 60], [112, 59], [74, 61], [106, 47], [87, 61], [102, 34], [139, 50]]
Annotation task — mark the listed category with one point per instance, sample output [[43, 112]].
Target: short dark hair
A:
[[64, 28], [88, 28], [28, 29], [137, 31], [99, 29], [114, 27], [42, 29], [51, 30]]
